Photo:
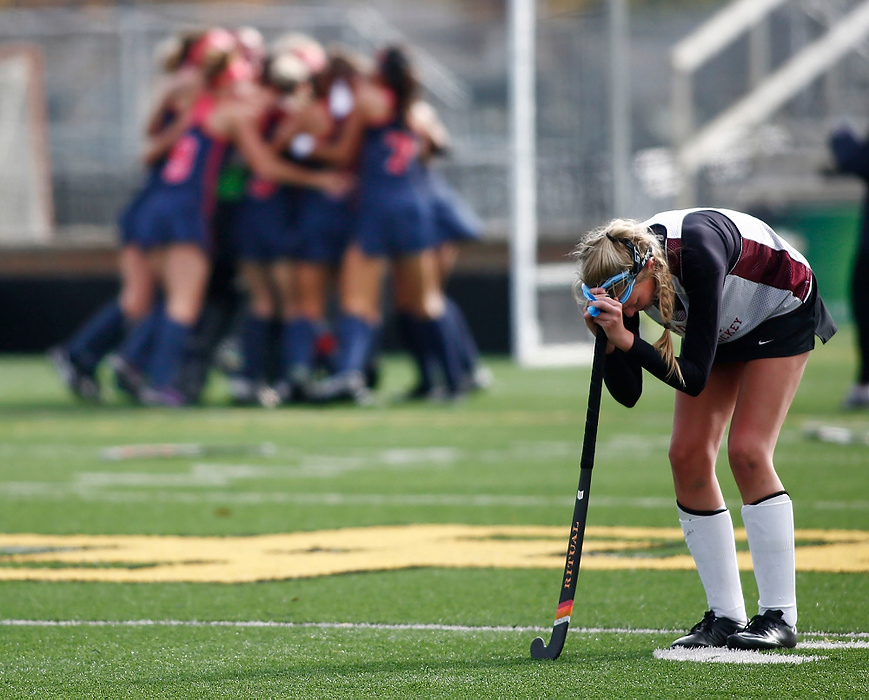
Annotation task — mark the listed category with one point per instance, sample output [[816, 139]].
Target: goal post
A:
[[26, 205], [546, 326]]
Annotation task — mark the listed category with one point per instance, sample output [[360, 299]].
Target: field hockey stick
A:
[[539, 649]]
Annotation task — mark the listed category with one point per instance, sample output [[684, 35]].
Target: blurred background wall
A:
[[93, 66]]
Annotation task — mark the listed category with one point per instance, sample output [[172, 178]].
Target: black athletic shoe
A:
[[711, 631], [128, 379], [480, 379], [421, 392], [168, 396], [346, 386], [243, 391], [767, 631], [82, 384]]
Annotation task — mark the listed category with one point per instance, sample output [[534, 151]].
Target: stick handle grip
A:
[[592, 414]]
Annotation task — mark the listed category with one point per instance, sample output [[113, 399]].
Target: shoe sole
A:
[[746, 645], [697, 646], [64, 368]]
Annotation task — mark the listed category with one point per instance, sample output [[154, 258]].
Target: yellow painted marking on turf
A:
[[152, 559]]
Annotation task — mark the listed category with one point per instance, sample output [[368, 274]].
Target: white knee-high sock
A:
[[770, 529], [711, 542]]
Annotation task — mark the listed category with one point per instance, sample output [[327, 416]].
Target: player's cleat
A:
[[344, 386], [711, 631], [227, 356], [243, 391], [372, 375], [480, 379], [857, 398], [421, 392], [273, 396], [296, 387], [167, 396], [767, 631], [128, 379], [82, 384]]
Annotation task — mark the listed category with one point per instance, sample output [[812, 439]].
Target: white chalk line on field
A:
[[732, 656], [212, 482], [741, 656], [17, 490], [688, 655], [21, 490], [822, 640]]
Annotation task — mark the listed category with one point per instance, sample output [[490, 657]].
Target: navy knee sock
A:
[[355, 338], [467, 348], [136, 350], [298, 348], [254, 339], [413, 338], [441, 338], [101, 334], [169, 347]]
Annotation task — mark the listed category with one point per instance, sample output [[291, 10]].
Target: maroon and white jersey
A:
[[731, 273], [764, 277]]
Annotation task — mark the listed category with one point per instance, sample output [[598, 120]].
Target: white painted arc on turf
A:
[[823, 643], [731, 656]]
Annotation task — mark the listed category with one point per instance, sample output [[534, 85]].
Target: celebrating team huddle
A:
[[308, 170]]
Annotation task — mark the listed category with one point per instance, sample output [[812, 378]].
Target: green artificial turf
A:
[[508, 457]]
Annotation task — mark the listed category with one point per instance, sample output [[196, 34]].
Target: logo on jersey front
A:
[[181, 160], [404, 148], [730, 331]]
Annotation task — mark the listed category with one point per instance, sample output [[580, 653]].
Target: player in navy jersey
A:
[[455, 223], [325, 222], [851, 157], [748, 309], [175, 224], [394, 224], [174, 95], [265, 231]]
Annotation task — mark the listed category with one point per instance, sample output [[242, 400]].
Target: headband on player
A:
[[638, 262]]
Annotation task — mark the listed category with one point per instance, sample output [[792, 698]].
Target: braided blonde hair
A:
[[599, 258]]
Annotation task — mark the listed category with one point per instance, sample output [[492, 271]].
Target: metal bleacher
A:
[[804, 69]]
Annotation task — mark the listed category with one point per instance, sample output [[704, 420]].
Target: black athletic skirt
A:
[[783, 336]]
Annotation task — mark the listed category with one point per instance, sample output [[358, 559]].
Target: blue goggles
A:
[[625, 278]]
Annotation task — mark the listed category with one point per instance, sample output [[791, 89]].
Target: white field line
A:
[[20, 490], [731, 656], [356, 459], [35, 490], [849, 640], [210, 482]]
